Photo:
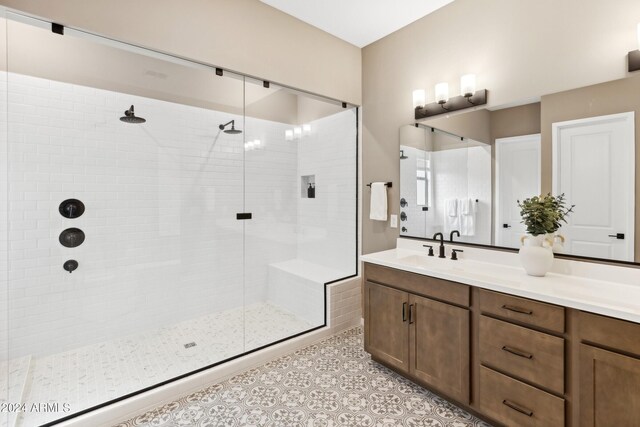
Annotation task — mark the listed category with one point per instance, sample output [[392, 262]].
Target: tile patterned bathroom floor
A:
[[90, 375], [331, 384]]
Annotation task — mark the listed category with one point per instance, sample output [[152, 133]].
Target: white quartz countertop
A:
[[609, 298]]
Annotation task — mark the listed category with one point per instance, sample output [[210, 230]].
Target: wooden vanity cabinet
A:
[[423, 337], [386, 312], [511, 360], [439, 346], [609, 372]]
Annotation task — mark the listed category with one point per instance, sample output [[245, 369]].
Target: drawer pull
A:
[[517, 309], [517, 352], [411, 320], [518, 408], [404, 311]]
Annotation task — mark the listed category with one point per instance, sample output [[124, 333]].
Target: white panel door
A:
[[593, 165], [517, 177]]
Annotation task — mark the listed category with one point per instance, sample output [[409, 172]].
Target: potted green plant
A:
[[543, 216]]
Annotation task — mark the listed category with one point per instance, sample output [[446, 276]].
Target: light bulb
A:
[[468, 85], [297, 132], [306, 129], [288, 135], [419, 98], [442, 93]]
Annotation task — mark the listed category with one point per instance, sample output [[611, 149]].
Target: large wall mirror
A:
[[466, 172]]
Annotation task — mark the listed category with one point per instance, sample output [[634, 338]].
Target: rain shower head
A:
[[130, 117], [233, 129]]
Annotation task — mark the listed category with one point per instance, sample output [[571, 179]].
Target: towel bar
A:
[[388, 184]]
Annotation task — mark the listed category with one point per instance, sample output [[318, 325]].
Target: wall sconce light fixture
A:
[[419, 98], [442, 93], [469, 97], [633, 58]]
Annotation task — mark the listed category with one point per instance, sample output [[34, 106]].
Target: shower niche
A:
[[308, 186]]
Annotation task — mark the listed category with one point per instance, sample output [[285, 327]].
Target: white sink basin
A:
[[423, 261], [446, 265]]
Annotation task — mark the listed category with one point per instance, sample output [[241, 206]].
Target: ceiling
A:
[[359, 22]]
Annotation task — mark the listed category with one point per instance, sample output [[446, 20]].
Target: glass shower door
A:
[[125, 255], [300, 187]]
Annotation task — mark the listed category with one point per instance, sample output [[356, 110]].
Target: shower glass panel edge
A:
[[5, 398]]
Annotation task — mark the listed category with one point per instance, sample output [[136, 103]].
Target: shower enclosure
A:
[[158, 217]]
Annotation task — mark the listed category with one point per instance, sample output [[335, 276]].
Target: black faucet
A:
[[430, 249], [441, 251], [454, 254], [456, 232]]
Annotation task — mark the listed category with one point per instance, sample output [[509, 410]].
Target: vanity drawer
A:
[[514, 403], [443, 290], [535, 313], [527, 354], [610, 332]]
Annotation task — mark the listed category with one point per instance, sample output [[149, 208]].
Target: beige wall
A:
[[243, 35], [470, 124], [518, 50], [515, 121]]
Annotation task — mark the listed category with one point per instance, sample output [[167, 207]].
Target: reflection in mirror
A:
[[445, 185], [581, 143]]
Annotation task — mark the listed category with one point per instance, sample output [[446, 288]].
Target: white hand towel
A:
[[378, 210], [468, 219], [451, 207], [451, 217], [465, 206]]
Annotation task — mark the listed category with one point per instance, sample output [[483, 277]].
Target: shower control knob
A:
[[71, 237], [403, 216], [71, 208], [403, 202], [70, 265]]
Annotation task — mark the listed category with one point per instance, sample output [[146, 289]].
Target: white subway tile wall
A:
[[460, 174], [162, 241], [327, 222], [416, 219], [456, 174]]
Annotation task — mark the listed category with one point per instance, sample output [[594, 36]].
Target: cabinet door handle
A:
[[517, 352], [518, 408], [517, 309], [411, 320], [404, 311]]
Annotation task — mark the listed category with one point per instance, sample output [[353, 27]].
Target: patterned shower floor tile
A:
[[331, 384], [97, 373]]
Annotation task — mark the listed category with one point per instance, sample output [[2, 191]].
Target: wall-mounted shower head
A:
[[130, 117], [402, 155], [233, 129]]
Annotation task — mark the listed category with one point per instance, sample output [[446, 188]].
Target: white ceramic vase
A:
[[558, 242], [536, 254]]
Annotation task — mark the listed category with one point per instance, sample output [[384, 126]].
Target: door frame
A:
[[628, 121], [500, 142]]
